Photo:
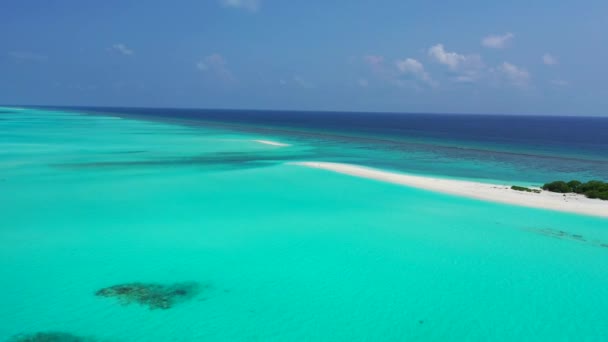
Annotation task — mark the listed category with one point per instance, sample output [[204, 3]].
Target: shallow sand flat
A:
[[572, 203], [281, 253], [273, 143]]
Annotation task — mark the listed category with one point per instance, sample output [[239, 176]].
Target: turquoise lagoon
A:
[[282, 252]]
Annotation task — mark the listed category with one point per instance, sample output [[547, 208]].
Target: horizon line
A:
[[304, 110]]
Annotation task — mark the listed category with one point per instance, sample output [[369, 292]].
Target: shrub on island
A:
[[574, 184], [591, 189], [523, 188], [557, 186], [597, 194]]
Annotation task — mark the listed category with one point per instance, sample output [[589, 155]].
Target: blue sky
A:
[[519, 57]]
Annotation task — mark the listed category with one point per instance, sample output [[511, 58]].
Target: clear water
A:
[[285, 253], [523, 149]]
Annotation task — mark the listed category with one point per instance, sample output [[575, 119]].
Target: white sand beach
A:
[[272, 143], [572, 203]]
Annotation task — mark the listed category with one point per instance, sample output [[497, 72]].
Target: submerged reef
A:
[[51, 336], [154, 296], [562, 235], [226, 159]]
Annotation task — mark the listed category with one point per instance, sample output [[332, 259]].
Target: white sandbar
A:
[[273, 143], [572, 203]]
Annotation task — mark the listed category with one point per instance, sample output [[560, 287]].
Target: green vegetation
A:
[[591, 189], [522, 188]]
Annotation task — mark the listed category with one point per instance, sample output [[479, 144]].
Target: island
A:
[[535, 198]]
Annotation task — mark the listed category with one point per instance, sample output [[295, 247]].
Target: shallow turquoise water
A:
[[288, 253]]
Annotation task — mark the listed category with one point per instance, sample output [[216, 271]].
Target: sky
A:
[[496, 57]]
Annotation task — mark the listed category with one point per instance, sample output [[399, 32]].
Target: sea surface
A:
[[122, 224]]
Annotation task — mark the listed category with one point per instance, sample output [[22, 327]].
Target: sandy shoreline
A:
[[571, 203], [272, 143]]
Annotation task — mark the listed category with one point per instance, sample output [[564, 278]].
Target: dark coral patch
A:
[[154, 296], [562, 235], [50, 337]]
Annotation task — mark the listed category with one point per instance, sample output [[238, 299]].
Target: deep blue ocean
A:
[[588, 134], [529, 149]]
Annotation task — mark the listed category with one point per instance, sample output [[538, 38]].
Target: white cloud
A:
[[468, 68], [515, 75], [122, 49], [549, 59], [216, 65], [26, 56], [249, 5], [497, 41], [403, 72], [452, 59], [410, 66], [471, 68]]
